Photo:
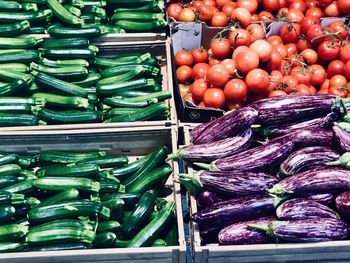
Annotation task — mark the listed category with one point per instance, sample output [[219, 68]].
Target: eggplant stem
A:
[[203, 165], [276, 190], [343, 125], [192, 183]]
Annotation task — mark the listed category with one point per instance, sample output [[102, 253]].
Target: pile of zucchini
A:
[[73, 200]]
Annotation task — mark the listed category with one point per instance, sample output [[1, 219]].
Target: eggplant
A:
[[206, 198], [254, 159], [280, 130], [227, 125], [306, 158], [317, 179], [308, 137], [235, 210], [299, 208], [234, 183], [196, 131], [240, 234], [283, 109], [320, 197], [215, 150], [342, 139], [307, 230], [209, 234], [342, 203]]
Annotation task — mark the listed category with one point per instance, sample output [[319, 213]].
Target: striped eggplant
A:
[[196, 131], [234, 183], [307, 230], [325, 198], [317, 179], [240, 234], [235, 210], [254, 159], [215, 150], [342, 139], [207, 198], [306, 158], [308, 137], [209, 234], [283, 109], [342, 203], [283, 129], [300, 208], [227, 125]]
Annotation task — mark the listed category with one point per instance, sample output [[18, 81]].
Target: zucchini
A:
[[97, 3], [58, 247], [148, 70], [63, 14], [134, 73], [73, 10], [9, 75], [68, 117], [15, 67], [70, 170], [31, 17], [9, 6], [110, 89], [13, 43], [172, 236], [24, 187], [95, 10], [19, 108], [68, 157], [109, 186], [62, 101], [10, 247], [77, 3], [121, 243], [159, 95], [116, 206], [91, 19], [67, 43], [14, 29], [130, 2], [23, 56], [8, 158], [21, 100], [106, 161], [12, 232], [105, 240], [65, 63], [10, 198], [66, 195], [92, 98], [91, 80], [39, 2], [127, 103], [21, 211], [28, 161], [9, 169], [130, 199], [159, 243], [108, 226], [122, 60], [37, 30], [62, 223], [66, 210], [7, 180], [120, 111], [92, 31], [70, 53], [26, 174], [141, 26], [64, 73], [137, 16], [126, 170], [153, 6], [64, 183], [59, 86], [139, 215], [8, 119]]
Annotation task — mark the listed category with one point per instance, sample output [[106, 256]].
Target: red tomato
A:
[[338, 91], [206, 12], [328, 51], [302, 89], [290, 33], [174, 10], [255, 18], [218, 75], [228, 8], [325, 84], [307, 22], [209, 2], [200, 55], [256, 32], [214, 61], [337, 81], [275, 80], [274, 40], [314, 32], [345, 53], [282, 12], [275, 60], [335, 67], [196, 4], [310, 56], [184, 90], [281, 49], [239, 37], [220, 47], [265, 16], [214, 97], [324, 3], [312, 3], [346, 69], [236, 90], [290, 83], [276, 93], [344, 6], [298, 4], [291, 48], [239, 49], [332, 10], [198, 88], [271, 5], [262, 48], [303, 44], [315, 11], [187, 15], [232, 106], [183, 57], [302, 75], [295, 15], [221, 3], [258, 81], [246, 61], [230, 65], [339, 27], [200, 71], [220, 19], [318, 74], [250, 5], [183, 74], [241, 15]]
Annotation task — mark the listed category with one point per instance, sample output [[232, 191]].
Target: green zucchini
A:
[[120, 111], [9, 169], [24, 187], [8, 119], [92, 98], [91, 19], [116, 206], [58, 247], [28, 42], [11, 198], [73, 10], [26, 174], [119, 61], [97, 3], [70, 170], [92, 31], [30, 7], [62, 101], [64, 183], [15, 67], [37, 30], [62, 223], [127, 103], [28, 161], [25, 56], [141, 26], [140, 16], [63, 14], [91, 80], [65, 63], [148, 70], [109, 186], [77, 3], [105, 240], [8, 158], [159, 243], [121, 243], [110, 89], [126, 170], [10, 247], [39, 2], [160, 96], [21, 100], [65, 73], [70, 53], [65, 195], [67, 43], [32, 17], [19, 108], [68, 117], [130, 199], [14, 29], [7, 180], [68, 157], [153, 6], [9, 75], [110, 226], [133, 93], [132, 74], [9, 6], [96, 10], [106, 161], [12, 232], [172, 236]]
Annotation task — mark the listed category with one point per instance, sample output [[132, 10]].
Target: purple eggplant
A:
[[343, 203], [342, 139], [206, 198], [280, 130], [322, 198], [234, 183], [307, 230], [291, 108], [209, 234], [254, 159], [215, 150], [236, 210], [240, 234], [227, 125], [299, 208], [196, 131], [318, 179], [306, 158], [308, 137]]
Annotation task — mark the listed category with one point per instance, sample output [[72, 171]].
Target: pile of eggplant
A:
[[277, 170]]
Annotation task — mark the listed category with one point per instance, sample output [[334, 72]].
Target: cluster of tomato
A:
[[303, 58], [218, 13]]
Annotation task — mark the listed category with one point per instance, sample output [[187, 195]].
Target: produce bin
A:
[[335, 251], [127, 141], [159, 49]]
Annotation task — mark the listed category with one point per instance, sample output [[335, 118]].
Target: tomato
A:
[[218, 75], [220, 47], [344, 6], [274, 40], [295, 15], [187, 15], [262, 48], [200, 71], [325, 84], [256, 32], [298, 4], [200, 55], [271, 5], [183, 57], [196, 4], [275, 60], [312, 3], [303, 44], [228, 8], [189, 98], [198, 88], [239, 49], [302, 89], [314, 34], [241, 15], [276, 93], [232, 106], [282, 50], [328, 51], [338, 91], [265, 16], [324, 3], [255, 18], [339, 27], [183, 74], [345, 53], [246, 61], [258, 81], [222, 3], [214, 61], [230, 65], [206, 12], [308, 22], [310, 56], [214, 97], [290, 33], [315, 11], [302, 75], [290, 83], [346, 69], [275, 80], [282, 12], [250, 5], [239, 37], [318, 74], [236, 90], [337, 81], [332, 10], [220, 19], [174, 10], [335, 67]]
